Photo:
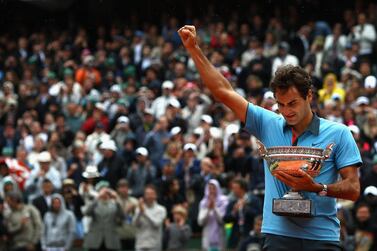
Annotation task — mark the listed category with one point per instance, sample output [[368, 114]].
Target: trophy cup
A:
[[290, 159]]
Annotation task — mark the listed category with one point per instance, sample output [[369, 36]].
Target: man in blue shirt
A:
[[298, 125]]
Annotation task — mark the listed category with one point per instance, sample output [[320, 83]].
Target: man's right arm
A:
[[212, 78]]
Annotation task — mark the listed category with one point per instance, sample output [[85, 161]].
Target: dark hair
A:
[[288, 76], [15, 196], [150, 186], [122, 183], [242, 183]]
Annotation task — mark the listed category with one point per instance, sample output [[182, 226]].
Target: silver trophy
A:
[[291, 159]]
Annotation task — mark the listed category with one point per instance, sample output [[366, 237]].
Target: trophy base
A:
[[294, 205]]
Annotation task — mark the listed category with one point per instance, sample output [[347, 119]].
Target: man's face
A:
[[363, 214], [237, 190], [123, 191], [150, 195], [292, 106], [47, 188], [56, 205]]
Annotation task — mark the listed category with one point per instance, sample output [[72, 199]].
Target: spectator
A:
[[128, 203], [365, 233], [365, 34], [122, 131], [283, 57], [254, 241], [58, 231], [155, 141], [141, 173], [106, 215], [43, 201], [241, 211], [159, 104], [178, 232], [211, 212], [74, 202], [24, 223], [148, 220], [112, 167], [41, 171], [3, 228]]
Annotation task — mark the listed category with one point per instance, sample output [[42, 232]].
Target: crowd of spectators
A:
[[110, 141]]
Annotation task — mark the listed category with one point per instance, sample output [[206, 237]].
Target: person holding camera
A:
[[106, 214]]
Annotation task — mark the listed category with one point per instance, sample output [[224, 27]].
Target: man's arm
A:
[[348, 188], [212, 78]]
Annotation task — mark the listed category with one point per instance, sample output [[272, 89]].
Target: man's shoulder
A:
[[331, 125]]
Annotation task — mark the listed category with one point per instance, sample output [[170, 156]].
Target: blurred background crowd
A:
[[109, 140]]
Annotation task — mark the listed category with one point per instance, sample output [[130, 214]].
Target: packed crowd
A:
[[111, 141]]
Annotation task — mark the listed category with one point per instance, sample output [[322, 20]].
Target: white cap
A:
[[354, 129], [91, 171], [100, 106], [215, 132], [167, 84], [148, 111], [123, 119], [198, 131], [88, 59], [362, 101], [190, 146], [44, 157], [231, 129], [175, 130], [142, 151], [116, 88], [175, 103], [268, 95], [370, 82], [108, 145], [206, 118], [370, 190]]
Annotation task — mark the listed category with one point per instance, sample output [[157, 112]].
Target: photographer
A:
[[107, 214]]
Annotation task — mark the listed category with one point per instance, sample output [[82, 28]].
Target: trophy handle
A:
[[328, 150], [261, 149]]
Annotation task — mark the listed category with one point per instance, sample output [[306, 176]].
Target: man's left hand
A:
[[301, 182]]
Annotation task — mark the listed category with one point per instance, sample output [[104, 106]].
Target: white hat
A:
[[206, 118], [175, 103], [175, 130], [354, 129], [123, 119], [44, 157], [108, 145], [198, 131], [167, 84], [91, 171], [142, 151], [231, 129], [370, 82], [190, 146], [362, 101], [370, 190], [215, 132], [148, 111], [100, 106], [268, 95], [88, 59], [116, 88]]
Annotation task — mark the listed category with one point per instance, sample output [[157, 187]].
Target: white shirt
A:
[[365, 35], [278, 61]]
